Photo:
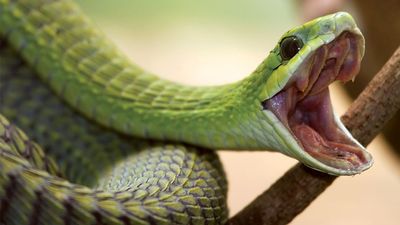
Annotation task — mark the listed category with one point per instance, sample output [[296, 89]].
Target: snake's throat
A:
[[305, 108]]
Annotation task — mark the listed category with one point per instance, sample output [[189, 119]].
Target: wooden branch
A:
[[295, 190]]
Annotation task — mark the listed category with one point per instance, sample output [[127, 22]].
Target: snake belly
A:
[[133, 181]]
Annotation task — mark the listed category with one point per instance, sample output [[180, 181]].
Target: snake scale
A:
[[123, 146]]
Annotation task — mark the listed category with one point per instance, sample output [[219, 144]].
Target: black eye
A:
[[290, 46]]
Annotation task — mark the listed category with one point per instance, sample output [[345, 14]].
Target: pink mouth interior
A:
[[304, 105]]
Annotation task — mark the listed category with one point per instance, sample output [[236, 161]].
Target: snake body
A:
[[166, 173], [160, 183]]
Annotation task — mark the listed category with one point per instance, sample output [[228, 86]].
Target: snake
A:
[[89, 137]]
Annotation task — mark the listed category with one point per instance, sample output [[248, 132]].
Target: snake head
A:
[[303, 64]]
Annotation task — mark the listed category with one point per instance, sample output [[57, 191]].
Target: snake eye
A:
[[290, 46]]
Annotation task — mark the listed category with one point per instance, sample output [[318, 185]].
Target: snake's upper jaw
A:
[[304, 107]]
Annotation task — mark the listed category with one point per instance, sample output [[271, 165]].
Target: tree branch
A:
[[298, 187]]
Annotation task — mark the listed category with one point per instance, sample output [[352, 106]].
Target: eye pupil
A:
[[290, 46]]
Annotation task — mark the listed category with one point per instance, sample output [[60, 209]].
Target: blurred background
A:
[[214, 42]]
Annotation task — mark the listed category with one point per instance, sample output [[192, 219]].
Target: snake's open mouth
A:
[[304, 105]]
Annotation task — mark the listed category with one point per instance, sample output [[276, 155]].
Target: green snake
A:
[[123, 146]]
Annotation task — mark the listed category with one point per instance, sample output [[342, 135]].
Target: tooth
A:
[[320, 57], [303, 79]]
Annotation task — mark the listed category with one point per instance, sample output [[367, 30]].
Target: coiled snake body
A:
[[166, 174]]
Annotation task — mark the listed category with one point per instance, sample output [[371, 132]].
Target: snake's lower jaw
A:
[[323, 136], [304, 107]]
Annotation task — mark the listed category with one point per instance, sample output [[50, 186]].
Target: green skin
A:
[[136, 180], [63, 47], [83, 68]]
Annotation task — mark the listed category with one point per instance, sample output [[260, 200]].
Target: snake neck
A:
[[63, 46]]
